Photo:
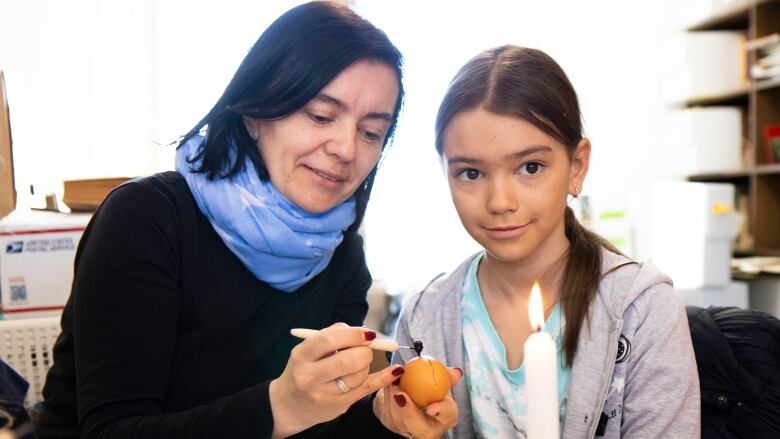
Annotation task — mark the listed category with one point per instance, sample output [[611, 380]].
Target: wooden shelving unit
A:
[[758, 180]]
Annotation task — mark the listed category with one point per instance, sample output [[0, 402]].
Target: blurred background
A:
[[681, 100]]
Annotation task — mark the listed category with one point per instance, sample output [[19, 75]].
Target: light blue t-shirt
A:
[[497, 394]]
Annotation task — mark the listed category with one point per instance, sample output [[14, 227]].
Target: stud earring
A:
[[576, 192]]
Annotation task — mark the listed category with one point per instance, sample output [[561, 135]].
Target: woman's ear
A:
[[252, 127], [579, 166]]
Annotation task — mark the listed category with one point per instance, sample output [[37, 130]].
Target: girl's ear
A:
[[579, 167], [252, 127]]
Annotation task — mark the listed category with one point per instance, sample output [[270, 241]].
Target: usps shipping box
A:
[[36, 263]]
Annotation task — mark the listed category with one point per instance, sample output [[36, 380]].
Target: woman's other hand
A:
[[396, 410], [325, 374]]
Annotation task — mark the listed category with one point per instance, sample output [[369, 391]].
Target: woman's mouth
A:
[[326, 177]]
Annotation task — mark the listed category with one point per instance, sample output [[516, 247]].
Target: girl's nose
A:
[[502, 196]]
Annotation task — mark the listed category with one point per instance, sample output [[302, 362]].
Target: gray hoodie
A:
[[648, 389]]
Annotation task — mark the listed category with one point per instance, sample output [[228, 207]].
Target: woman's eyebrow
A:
[[322, 97]]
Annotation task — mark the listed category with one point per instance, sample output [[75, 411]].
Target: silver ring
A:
[[342, 385]]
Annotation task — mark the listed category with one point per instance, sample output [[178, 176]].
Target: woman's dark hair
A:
[[298, 55], [529, 85]]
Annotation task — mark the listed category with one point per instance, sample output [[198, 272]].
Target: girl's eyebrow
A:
[[515, 155]]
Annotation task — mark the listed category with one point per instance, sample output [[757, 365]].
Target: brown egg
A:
[[425, 380]]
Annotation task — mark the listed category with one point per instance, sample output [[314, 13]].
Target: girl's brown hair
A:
[[529, 85]]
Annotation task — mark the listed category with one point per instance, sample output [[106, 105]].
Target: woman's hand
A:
[[325, 374], [396, 410]]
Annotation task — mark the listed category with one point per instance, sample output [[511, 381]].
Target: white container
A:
[[37, 250], [715, 63], [692, 226], [26, 345], [706, 139], [765, 295], [734, 294]]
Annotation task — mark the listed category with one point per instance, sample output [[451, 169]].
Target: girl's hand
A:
[[325, 374], [396, 410]]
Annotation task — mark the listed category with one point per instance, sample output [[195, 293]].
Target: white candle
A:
[[541, 384]]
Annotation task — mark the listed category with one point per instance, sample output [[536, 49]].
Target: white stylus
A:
[[378, 344]]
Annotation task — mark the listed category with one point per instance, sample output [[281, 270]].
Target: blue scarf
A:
[[279, 242]]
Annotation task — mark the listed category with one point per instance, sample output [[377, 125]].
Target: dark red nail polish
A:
[[398, 371], [397, 381], [459, 370], [400, 400], [369, 335]]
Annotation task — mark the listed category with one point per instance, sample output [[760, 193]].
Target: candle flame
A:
[[535, 308]]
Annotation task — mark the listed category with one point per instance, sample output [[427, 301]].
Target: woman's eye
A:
[[531, 168], [371, 136], [469, 174], [319, 119]]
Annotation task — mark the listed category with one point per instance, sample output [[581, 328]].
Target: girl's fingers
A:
[[444, 412], [433, 420], [456, 374]]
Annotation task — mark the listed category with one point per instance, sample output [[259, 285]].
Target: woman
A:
[[509, 134], [187, 283]]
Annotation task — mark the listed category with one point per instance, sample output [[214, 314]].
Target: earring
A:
[[576, 192]]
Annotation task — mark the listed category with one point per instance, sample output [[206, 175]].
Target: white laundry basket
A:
[[26, 345]]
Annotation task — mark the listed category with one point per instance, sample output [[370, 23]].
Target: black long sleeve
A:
[[167, 335]]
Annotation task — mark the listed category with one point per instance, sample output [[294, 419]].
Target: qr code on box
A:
[[18, 294]]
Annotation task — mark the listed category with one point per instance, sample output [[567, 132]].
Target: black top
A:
[[167, 335], [738, 358]]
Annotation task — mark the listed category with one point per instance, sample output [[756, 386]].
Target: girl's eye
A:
[[531, 168], [469, 174]]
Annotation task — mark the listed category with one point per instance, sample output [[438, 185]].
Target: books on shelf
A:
[[762, 42], [772, 143], [755, 265], [767, 57], [86, 195]]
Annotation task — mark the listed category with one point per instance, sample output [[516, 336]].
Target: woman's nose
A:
[[343, 146]]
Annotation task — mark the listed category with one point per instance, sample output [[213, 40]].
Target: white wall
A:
[[617, 55], [81, 88], [97, 86]]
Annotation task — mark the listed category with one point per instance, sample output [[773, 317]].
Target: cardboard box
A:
[[37, 250], [706, 139], [7, 190], [716, 63], [692, 226], [734, 294]]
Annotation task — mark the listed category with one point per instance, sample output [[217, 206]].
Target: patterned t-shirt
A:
[[497, 393]]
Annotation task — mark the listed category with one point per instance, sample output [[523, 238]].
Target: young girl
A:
[[509, 134]]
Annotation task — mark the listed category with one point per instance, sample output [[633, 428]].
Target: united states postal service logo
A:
[[14, 247]]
